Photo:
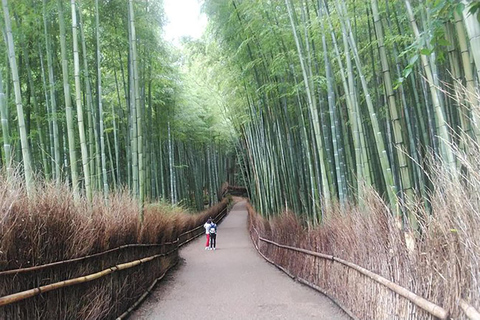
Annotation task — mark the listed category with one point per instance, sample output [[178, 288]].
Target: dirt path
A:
[[233, 282]]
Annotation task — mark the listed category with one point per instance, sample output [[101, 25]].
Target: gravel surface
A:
[[233, 282]]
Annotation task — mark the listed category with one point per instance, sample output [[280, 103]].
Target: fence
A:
[[361, 293], [104, 285]]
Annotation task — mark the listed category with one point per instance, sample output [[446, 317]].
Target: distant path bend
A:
[[233, 282]]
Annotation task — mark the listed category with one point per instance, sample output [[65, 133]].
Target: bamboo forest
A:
[[357, 121]]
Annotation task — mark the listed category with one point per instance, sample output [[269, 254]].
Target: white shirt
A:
[[207, 227]]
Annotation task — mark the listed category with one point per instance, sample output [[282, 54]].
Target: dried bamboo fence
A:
[[104, 285], [361, 293]]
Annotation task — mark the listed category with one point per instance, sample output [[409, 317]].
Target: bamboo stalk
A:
[[78, 102], [5, 130], [53, 100], [26, 156], [469, 310], [426, 305], [68, 104], [100, 104]]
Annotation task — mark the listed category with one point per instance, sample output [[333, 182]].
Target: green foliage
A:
[[178, 88], [473, 8]]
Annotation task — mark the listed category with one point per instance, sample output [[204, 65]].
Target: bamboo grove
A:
[[91, 94], [344, 95]]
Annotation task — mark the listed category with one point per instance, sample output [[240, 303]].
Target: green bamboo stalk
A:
[[334, 124], [171, 166], [312, 108], [68, 102], [5, 130], [100, 104], [472, 97], [473, 32], [116, 141], [112, 163], [133, 103], [48, 105], [379, 142], [53, 99], [27, 161], [89, 102], [445, 139], [458, 113], [36, 109], [361, 173], [401, 152], [78, 101]]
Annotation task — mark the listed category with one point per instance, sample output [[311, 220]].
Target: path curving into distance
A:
[[233, 282]]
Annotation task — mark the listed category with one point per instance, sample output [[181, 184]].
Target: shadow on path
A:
[[233, 282]]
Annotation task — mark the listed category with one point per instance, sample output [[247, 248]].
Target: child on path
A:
[[213, 236], [207, 232]]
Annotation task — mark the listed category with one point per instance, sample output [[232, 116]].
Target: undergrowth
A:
[[50, 225]]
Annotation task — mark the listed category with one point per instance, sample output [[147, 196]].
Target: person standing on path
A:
[[207, 232], [213, 236]]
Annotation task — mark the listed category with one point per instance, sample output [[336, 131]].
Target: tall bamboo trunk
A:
[[5, 130], [36, 110], [362, 175], [89, 100], [473, 30], [137, 116], [68, 103], [379, 141], [115, 137], [27, 161], [53, 99], [334, 123], [445, 139], [402, 151], [48, 106], [312, 109], [78, 101], [171, 167], [132, 102], [100, 104]]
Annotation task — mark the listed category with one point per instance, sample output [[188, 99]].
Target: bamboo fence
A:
[[14, 299], [469, 311], [431, 308]]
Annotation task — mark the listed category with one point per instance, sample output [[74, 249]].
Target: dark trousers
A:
[[213, 240]]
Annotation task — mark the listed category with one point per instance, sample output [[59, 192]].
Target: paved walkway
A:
[[233, 282]]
